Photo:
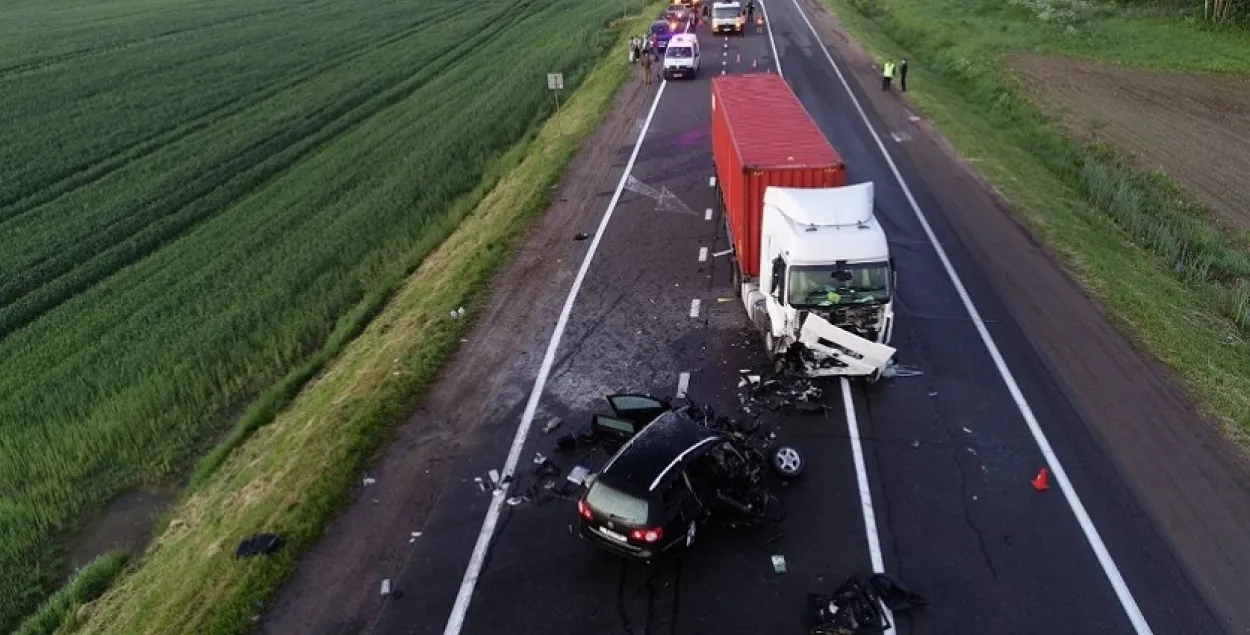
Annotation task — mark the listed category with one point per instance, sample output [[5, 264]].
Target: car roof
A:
[[651, 454], [682, 38]]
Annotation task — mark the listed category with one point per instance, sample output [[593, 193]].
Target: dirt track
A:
[[1196, 128]]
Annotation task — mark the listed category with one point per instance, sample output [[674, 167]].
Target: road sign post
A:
[[555, 84]]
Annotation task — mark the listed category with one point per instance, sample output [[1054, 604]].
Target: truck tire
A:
[[737, 278]]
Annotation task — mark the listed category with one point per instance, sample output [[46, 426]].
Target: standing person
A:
[[750, 10], [646, 70], [887, 74], [759, 24], [902, 75], [633, 49]]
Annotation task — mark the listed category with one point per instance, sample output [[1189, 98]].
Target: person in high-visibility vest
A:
[[887, 74]]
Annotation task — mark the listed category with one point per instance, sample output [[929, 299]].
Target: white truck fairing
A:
[[826, 280]]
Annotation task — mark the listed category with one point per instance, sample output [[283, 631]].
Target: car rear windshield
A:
[[617, 504]]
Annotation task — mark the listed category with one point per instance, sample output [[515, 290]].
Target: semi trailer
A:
[[811, 263]]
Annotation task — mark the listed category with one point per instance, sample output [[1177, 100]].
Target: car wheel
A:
[[690, 533], [788, 462]]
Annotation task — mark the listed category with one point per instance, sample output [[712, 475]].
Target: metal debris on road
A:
[[893, 370], [552, 425], [856, 606], [779, 564], [578, 475]]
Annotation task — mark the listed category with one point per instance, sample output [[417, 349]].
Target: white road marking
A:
[[707, 214], [694, 308], [703, 254], [683, 384], [460, 610], [768, 25], [865, 493], [711, 181], [1131, 609]]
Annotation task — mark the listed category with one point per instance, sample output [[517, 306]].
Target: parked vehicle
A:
[[671, 471], [682, 57], [662, 31], [728, 17], [811, 262]]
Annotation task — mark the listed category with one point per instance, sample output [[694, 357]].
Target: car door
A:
[[681, 506], [631, 412]]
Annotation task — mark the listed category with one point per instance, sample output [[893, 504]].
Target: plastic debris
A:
[[580, 236], [539, 459], [258, 544], [552, 425], [415, 535], [457, 312], [386, 586], [893, 370], [368, 480], [779, 564], [855, 607], [578, 475]]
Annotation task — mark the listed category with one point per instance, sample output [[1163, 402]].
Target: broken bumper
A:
[[838, 352]]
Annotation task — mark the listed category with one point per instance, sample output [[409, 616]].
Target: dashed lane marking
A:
[[703, 254], [694, 308]]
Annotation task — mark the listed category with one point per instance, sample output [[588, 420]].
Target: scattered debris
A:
[[258, 544], [855, 607], [552, 425], [578, 475], [369, 480], [915, 444], [893, 370], [415, 535], [566, 443], [515, 500], [386, 586], [457, 312], [539, 459], [779, 564], [580, 236], [722, 253]]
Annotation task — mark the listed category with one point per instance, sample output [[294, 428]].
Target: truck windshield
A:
[[825, 285], [681, 52], [725, 13]]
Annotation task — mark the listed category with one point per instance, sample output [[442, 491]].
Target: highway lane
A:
[[948, 455], [951, 454]]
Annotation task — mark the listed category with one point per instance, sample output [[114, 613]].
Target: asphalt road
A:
[[948, 453]]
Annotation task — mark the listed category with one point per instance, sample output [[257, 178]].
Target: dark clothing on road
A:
[[902, 76]]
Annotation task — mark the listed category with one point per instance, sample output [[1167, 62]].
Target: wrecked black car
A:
[[674, 469]]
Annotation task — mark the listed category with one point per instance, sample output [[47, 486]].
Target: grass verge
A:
[[1164, 271], [292, 475]]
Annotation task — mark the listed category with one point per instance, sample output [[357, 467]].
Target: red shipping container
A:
[[761, 136]]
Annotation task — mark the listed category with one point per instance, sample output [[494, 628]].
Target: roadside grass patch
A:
[[203, 203], [292, 475], [1166, 273]]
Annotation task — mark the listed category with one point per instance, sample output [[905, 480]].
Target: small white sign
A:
[[555, 81]]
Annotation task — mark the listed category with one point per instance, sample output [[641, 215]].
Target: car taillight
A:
[[584, 510], [647, 535]]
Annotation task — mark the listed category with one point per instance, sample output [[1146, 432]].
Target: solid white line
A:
[[707, 214], [711, 182], [703, 254], [768, 25], [683, 384], [460, 610], [1069, 493], [694, 308], [865, 493]]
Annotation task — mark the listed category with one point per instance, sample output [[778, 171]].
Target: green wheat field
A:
[[195, 193]]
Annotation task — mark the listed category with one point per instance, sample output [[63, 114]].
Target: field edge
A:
[[258, 454]]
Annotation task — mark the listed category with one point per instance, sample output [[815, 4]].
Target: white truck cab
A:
[[728, 17], [682, 57], [825, 263]]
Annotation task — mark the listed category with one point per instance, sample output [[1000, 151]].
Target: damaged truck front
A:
[[811, 262]]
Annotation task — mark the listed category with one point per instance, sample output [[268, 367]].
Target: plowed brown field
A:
[[1195, 128]]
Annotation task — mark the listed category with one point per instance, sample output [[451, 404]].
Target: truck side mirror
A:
[[779, 276]]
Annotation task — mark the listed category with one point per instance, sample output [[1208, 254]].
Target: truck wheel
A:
[[770, 346], [737, 278]]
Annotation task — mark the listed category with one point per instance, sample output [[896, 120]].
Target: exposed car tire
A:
[[690, 533], [787, 461]]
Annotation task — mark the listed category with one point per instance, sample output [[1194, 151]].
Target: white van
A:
[[728, 17], [681, 58]]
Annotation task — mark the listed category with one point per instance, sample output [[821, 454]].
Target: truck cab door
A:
[[775, 298]]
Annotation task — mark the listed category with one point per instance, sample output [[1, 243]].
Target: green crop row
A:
[[197, 195]]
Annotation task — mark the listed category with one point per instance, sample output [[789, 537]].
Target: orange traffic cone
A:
[[1041, 482]]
